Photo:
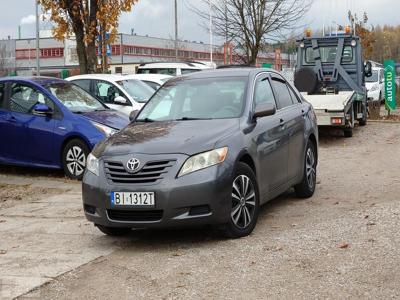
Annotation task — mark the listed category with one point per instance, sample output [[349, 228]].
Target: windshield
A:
[[74, 98], [139, 91], [373, 78], [185, 99]]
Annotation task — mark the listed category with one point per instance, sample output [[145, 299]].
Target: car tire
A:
[[74, 157], [348, 132], [245, 203], [114, 231], [363, 120], [306, 188]]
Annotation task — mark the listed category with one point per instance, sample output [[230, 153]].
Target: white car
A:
[[376, 84], [174, 68], [116, 91], [155, 81]]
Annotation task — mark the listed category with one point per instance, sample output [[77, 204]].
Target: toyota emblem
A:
[[133, 164]]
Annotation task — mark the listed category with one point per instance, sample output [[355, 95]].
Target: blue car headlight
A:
[[108, 131], [203, 160]]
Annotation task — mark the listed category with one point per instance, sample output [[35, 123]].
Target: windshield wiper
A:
[[146, 120], [191, 119]]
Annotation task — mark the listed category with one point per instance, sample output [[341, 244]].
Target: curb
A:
[[384, 121]]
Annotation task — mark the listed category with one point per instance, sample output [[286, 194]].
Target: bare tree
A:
[[7, 61], [251, 24]]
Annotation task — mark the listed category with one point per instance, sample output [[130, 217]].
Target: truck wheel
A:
[[363, 120], [306, 188], [348, 132]]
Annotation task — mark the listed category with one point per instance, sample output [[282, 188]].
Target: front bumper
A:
[[199, 198]]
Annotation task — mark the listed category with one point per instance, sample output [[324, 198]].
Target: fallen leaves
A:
[[344, 246]]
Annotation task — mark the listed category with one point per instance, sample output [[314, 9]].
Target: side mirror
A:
[[264, 110], [368, 69], [133, 115], [41, 109], [120, 100]]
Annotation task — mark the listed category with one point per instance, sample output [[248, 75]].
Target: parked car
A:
[[208, 148], [173, 68], [117, 92], [376, 85], [155, 81], [52, 123]]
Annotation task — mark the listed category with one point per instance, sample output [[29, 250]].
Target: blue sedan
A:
[[52, 123]]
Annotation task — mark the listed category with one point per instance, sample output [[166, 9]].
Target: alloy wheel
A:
[[243, 201], [76, 161], [310, 168]]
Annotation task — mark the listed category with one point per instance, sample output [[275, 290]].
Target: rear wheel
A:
[[113, 231], [348, 132], [363, 120], [306, 187], [245, 203], [74, 158]]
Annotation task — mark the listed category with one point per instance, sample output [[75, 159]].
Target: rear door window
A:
[[293, 95], [83, 83]]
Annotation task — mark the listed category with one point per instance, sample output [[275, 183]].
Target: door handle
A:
[[282, 123], [303, 113]]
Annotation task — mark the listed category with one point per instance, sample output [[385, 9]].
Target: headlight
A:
[[108, 131], [374, 88], [92, 164], [203, 160]]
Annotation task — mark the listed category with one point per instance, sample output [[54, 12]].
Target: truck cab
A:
[[330, 74]]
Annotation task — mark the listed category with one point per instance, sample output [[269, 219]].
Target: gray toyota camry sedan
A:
[[208, 148]]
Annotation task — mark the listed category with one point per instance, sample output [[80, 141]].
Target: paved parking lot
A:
[[342, 243]]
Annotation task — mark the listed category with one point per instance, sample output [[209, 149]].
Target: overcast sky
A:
[[155, 17]]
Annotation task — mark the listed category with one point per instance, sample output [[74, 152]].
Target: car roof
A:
[[184, 65], [229, 72], [33, 79], [107, 77], [148, 77]]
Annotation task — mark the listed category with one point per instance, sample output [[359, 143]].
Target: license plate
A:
[[132, 199]]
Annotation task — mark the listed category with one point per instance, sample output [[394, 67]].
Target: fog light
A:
[[336, 121]]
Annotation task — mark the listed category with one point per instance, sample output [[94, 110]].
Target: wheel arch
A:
[[246, 158], [312, 138]]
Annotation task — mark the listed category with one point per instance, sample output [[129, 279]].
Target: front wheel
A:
[[74, 159], [306, 188], [245, 203]]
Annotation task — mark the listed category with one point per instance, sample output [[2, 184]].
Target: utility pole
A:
[[37, 39], [176, 30], [211, 33]]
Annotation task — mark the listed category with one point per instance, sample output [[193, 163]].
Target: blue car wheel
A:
[[74, 159]]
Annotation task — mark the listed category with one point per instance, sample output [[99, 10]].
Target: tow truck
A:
[[330, 74]]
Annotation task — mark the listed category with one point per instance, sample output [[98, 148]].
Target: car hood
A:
[[185, 137], [109, 117]]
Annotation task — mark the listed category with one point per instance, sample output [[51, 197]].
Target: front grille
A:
[[135, 215], [150, 173]]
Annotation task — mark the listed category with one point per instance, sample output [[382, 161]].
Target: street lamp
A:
[[211, 32], [37, 38]]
